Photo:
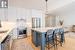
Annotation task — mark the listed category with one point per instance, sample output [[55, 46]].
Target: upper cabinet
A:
[[3, 14], [3, 3]]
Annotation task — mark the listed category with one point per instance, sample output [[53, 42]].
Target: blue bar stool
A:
[[62, 35], [59, 36], [50, 39]]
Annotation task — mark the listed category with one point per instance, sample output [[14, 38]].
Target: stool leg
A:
[[56, 43], [48, 44]]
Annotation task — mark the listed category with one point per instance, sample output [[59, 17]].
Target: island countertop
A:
[[45, 29], [6, 26]]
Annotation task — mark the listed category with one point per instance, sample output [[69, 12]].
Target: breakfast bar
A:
[[38, 36]]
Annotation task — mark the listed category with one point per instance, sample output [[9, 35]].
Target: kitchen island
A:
[[38, 36], [5, 31]]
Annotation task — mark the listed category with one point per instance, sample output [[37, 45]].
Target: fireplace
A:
[[22, 33]]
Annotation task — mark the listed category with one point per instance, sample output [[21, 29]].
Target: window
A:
[[3, 3]]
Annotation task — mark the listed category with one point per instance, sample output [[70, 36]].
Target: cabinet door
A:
[[38, 38], [2, 14], [5, 45], [34, 38], [12, 14]]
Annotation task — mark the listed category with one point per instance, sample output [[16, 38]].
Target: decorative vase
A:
[[61, 23]]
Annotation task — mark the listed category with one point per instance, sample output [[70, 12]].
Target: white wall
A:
[[69, 19], [67, 13]]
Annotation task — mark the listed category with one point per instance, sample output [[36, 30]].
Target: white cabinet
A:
[[3, 14], [12, 14], [20, 13]]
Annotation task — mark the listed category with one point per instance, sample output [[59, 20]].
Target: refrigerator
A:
[[36, 22]]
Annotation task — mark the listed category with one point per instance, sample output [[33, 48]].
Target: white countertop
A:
[[6, 26], [45, 29]]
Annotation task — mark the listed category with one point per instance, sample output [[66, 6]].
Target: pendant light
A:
[[46, 12]]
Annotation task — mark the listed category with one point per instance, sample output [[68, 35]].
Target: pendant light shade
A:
[[46, 0]]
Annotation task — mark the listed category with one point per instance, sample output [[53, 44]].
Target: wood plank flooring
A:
[[26, 43]]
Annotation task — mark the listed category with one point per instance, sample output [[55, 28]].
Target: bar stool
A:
[[59, 36], [62, 35], [50, 39]]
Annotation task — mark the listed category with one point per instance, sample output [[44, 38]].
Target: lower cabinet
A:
[[39, 38], [5, 45], [36, 38]]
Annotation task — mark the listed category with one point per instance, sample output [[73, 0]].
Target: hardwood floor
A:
[[22, 44], [26, 43]]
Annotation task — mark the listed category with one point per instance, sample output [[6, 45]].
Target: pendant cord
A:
[[46, 6]]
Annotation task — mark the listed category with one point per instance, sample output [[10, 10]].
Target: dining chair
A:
[[50, 39]]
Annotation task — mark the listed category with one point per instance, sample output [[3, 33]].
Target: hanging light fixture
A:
[[46, 12]]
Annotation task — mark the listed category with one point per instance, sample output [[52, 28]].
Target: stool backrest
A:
[[56, 31], [50, 32], [61, 30]]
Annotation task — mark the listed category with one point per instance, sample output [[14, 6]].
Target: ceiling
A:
[[39, 4], [65, 10]]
